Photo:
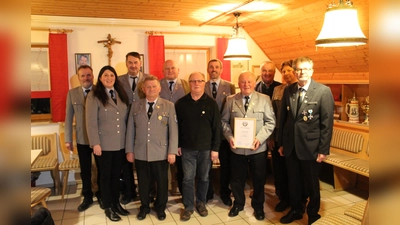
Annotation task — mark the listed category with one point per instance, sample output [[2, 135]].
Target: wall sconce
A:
[[237, 46], [341, 27]]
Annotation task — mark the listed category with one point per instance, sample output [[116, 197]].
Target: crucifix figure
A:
[[108, 44]]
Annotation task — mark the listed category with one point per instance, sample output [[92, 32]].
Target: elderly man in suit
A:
[[248, 104], [76, 99], [267, 83], [306, 125], [172, 89], [152, 142], [219, 89], [132, 82]]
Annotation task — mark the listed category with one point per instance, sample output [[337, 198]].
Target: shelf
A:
[[338, 103]]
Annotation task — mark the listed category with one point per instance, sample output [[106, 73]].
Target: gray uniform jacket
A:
[[138, 94], [75, 105], [106, 125], [225, 89], [152, 139], [181, 88], [260, 108]]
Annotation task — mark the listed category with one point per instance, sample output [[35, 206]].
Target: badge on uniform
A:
[[159, 117], [287, 107]]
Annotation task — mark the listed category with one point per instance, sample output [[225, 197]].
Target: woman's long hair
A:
[[100, 90]]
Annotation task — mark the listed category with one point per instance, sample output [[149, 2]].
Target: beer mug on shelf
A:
[[352, 110]]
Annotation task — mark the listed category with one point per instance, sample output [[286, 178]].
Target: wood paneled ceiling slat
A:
[[284, 33]]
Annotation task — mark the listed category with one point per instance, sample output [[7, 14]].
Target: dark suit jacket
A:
[[308, 131]]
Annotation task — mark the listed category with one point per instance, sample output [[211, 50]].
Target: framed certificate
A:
[[245, 132]]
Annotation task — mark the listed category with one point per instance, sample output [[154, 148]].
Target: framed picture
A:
[[82, 59], [142, 60], [237, 67]]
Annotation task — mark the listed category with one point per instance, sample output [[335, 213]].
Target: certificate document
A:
[[245, 132]]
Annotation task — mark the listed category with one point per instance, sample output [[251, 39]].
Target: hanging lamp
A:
[[341, 27], [237, 45]]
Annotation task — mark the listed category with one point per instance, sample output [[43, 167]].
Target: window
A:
[[40, 83], [189, 60]]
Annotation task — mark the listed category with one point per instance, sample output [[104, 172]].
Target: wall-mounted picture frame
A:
[[82, 59], [142, 60], [237, 67]]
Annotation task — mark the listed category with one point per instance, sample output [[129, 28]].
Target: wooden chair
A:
[[71, 162], [48, 160], [39, 195]]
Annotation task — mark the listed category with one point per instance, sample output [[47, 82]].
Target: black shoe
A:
[[126, 199], [259, 214], [291, 216], [281, 206], [234, 211], [85, 204], [312, 219], [100, 201], [118, 209], [161, 215], [209, 196], [226, 200], [111, 215], [142, 214]]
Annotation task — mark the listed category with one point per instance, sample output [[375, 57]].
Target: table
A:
[[35, 154]]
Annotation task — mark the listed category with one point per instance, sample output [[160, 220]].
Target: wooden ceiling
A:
[[285, 29]]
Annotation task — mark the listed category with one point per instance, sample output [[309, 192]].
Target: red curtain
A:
[[7, 57], [222, 44], [58, 57], [156, 55]]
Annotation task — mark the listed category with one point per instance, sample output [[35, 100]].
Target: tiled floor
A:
[[65, 212]]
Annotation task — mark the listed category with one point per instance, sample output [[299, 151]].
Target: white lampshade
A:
[[341, 28], [237, 49]]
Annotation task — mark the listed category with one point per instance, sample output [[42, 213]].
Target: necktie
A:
[[246, 104], [170, 85], [134, 83], [150, 111], [300, 99], [214, 90], [113, 96], [86, 93]]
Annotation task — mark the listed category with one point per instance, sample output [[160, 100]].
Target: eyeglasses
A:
[[196, 81], [302, 70]]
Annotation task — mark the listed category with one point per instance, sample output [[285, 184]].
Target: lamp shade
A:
[[237, 49], [341, 28]]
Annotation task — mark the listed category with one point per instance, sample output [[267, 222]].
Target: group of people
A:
[[136, 119]]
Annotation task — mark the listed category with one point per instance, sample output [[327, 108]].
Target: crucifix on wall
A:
[[108, 44]]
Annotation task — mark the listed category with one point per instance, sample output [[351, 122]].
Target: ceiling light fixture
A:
[[341, 27], [237, 45]]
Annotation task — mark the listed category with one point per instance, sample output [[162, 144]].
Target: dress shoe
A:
[[112, 215], [100, 201], [312, 219], [226, 200], [291, 216], [259, 214], [142, 214], [210, 196], [281, 206], [234, 211], [161, 215], [126, 199], [85, 204], [186, 214], [118, 209]]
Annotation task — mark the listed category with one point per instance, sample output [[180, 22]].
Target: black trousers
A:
[[280, 175], [304, 174], [149, 172], [225, 168], [179, 172], [85, 160], [257, 164], [110, 163], [127, 176]]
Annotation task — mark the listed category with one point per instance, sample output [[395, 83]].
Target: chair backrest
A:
[[47, 142], [65, 151]]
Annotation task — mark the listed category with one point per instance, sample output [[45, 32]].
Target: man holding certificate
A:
[[247, 121]]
